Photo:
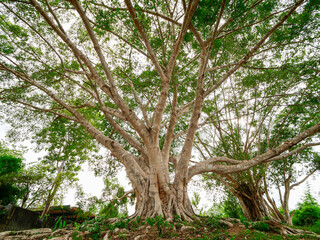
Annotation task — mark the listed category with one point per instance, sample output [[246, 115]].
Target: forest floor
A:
[[203, 229]]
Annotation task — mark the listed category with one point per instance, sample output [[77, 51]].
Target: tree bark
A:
[[52, 192], [155, 200], [252, 203]]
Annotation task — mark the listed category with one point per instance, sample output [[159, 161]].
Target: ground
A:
[[204, 228]]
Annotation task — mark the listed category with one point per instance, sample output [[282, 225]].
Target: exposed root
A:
[[285, 230]]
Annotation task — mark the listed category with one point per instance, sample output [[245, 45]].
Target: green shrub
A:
[[261, 226], [161, 224], [245, 222], [306, 215], [9, 167], [316, 227], [231, 207]]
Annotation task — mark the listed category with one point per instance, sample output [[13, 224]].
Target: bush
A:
[[261, 226], [316, 227], [231, 206], [9, 167], [306, 215]]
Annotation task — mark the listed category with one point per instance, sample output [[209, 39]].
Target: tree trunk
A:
[[252, 203], [285, 204], [152, 203], [155, 194], [51, 195]]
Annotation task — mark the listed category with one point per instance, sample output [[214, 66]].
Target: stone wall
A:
[[20, 219]]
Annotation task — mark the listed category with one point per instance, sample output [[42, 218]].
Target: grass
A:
[[205, 228]]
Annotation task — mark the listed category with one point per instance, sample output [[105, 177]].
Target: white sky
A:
[[94, 185]]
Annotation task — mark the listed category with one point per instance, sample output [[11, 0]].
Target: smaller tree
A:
[[308, 212], [68, 146], [35, 181]]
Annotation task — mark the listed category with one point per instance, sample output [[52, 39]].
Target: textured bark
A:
[[155, 201], [156, 196], [252, 203]]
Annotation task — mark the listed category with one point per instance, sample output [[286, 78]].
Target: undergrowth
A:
[[205, 228]]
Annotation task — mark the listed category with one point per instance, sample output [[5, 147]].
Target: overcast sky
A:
[[94, 185]]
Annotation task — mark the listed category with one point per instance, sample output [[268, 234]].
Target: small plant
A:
[[316, 227], [234, 221], [150, 221], [261, 226], [177, 220], [76, 235], [160, 223], [121, 224], [245, 222], [59, 223], [213, 222], [3, 214]]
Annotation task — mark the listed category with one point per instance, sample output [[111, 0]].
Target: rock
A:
[[186, 229], [6, 233], [142, 227], [59, 238], [229, 224], [16, 237], [122, 236], [36, 231], [106, 236], [119, 231], [76, 235], [233, 220], [242, 226], [102, 233], [39, 236], [141, 237], [60, 232], [150, 229]]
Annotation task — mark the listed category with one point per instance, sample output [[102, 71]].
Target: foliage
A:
[[112, 203], [60, 223], [76, 235], [261, 226], [316, 227], [195, 201], [245, 222], [9, 167], [308, 199], [306, 215], [109, 210], [231, 207], [164, 227], [213, 222], [308, 212]]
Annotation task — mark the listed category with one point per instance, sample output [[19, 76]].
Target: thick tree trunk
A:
[[159, 201], [156, 195], [252, 203]]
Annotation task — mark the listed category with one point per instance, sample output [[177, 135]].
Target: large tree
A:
[[141, 77]]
